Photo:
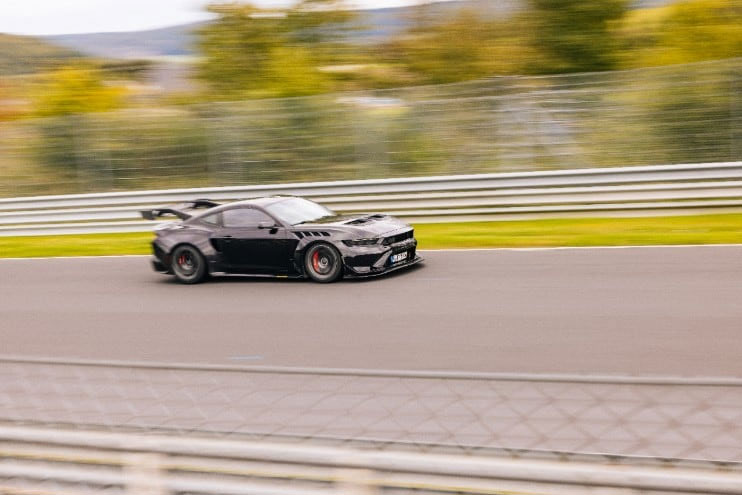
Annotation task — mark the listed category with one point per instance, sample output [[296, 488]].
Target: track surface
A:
[[675, 311]]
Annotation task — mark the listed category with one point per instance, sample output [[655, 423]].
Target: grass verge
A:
[[575, 232]]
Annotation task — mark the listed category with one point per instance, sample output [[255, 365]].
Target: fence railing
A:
[[60, 462], [668, 418], [695, 188], [688, 113]]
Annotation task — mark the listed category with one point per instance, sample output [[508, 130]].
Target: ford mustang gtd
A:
[[279, 236]]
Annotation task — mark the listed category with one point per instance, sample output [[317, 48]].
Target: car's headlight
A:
[[361, 242]]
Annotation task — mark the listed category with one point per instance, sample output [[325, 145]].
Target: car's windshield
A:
[[298, 210]]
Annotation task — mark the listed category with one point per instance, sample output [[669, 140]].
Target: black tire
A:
[[322, 263], [188, 265]]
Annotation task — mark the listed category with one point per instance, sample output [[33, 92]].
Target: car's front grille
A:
[[362, 259], [399, 237]]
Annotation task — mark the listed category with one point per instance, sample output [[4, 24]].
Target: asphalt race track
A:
[[667, 311]]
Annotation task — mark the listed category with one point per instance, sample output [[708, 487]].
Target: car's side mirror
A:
[[267, 225]]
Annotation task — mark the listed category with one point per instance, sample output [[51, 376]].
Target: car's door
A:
[[250, 241]]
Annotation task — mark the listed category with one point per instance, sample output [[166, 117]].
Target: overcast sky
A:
[[87, 16]]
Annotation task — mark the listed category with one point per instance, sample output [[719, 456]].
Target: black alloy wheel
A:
[[188, 264], [322, 263]]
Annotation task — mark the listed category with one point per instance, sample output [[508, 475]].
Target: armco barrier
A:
[[54, 461], [666, 189]]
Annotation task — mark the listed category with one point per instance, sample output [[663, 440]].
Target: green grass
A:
[[700, 229], [645, 231], [75, 245]]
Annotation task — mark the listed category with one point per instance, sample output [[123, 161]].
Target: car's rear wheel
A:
[[188, 265], [323, 263]]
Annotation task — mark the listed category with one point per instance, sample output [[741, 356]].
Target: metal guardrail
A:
[[83, 427], [628, 191], [53, 461]]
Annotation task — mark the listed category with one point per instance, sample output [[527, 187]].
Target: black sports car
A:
[[278, 236]]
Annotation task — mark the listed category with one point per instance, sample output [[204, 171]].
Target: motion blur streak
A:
[[641, 117]]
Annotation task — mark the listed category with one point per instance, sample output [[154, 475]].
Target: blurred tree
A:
[[574, 35], [75, 90], [466, 46], [252, 52], [12, 105], [688, 31], [689, 119], [66, 96]]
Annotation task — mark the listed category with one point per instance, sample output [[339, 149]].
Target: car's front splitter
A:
[[351, 272]]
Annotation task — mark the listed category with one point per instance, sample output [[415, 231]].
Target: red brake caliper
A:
[[315, 261]]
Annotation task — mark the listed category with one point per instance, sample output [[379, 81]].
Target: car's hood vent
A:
[[310, 233], [366, 219]]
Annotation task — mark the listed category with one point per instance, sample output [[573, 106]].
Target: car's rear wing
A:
[[184, 211]]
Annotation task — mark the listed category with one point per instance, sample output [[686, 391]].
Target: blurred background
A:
[[527, 371], [325, 90]]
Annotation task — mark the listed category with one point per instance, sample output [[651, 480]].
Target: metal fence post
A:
[[144, 474], [355, 482]]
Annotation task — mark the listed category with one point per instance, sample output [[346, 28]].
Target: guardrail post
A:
[[144, 475], [355, 482]]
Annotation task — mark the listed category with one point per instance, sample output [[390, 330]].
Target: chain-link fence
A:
[[682, 419], [676, 114]]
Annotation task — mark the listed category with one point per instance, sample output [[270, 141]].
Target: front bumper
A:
[[376, 260], [383, 271]]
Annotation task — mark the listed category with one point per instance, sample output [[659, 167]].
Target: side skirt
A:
[[254, 275]]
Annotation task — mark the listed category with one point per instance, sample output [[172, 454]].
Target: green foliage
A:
[[74, 90], [250, 52], [64, 97], [575, 35], [687, 118], [683, 32], [466, 46]]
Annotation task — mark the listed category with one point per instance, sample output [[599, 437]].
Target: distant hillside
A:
[[374, 25], [169, 41], [25, 54]]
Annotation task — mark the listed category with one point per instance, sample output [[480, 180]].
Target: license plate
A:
[[396, 258]]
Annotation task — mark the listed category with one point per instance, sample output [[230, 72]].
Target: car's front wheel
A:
[[188, 265], [323, 263]]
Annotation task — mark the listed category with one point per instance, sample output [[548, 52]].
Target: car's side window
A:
[[211, 219], [244, 217]]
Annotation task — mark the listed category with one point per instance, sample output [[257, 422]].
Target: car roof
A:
[[264, 201], [261, 202]]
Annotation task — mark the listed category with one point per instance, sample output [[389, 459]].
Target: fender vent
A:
[[307, 233]]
